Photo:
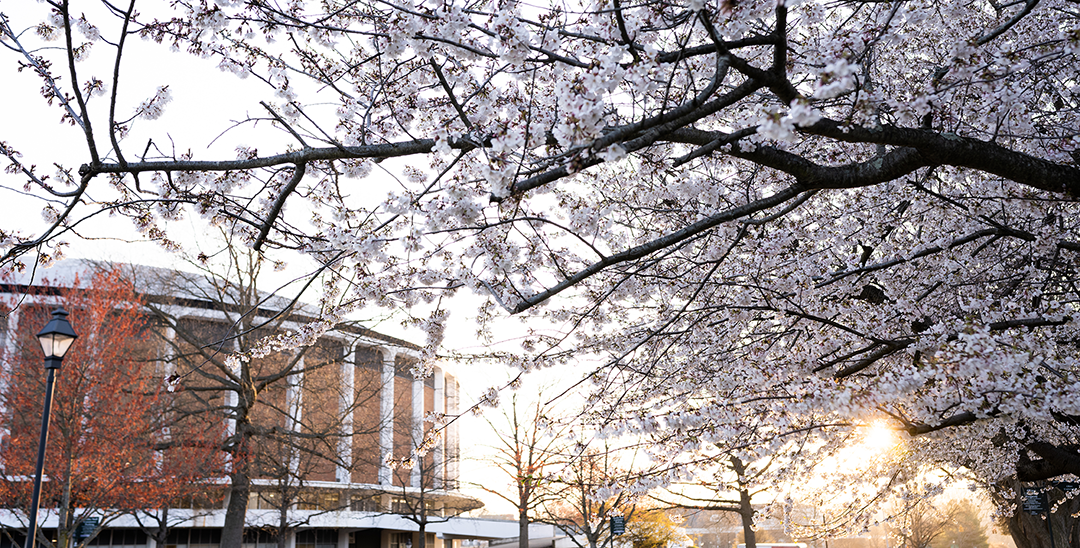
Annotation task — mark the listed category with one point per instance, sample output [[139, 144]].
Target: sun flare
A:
[[878, 437]]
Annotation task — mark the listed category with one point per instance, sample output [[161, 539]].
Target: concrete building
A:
[[356, 383]]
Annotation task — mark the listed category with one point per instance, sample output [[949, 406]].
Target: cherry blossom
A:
[[769, 219]]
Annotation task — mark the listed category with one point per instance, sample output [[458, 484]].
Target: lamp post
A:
[[55, 338]]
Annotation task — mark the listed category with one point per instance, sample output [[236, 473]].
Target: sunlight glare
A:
[[878, 437]]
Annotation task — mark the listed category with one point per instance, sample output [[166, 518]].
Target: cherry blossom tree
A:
[[966, 527], [809, 213], [529, 446]]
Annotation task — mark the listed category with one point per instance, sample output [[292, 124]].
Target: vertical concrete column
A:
[[166, 357], [417, 428], [343, 538], [386, 416], [290, 539], [231, 400], [7, 347], [348, 414], [8, 332], [294, 396], [451, 441], [440, 408], [165, 354]]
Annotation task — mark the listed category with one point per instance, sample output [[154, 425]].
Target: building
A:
[[354, 385]]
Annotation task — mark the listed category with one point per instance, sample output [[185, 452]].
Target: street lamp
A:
[[55, 338]]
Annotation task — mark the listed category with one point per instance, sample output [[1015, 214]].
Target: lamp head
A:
[[56, 337]]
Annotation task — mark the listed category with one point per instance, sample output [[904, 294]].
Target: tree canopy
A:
[[110, 450], [771, 217]]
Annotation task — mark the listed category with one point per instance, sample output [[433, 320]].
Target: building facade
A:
[[334, 464]]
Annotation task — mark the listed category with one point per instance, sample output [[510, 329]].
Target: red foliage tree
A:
[[110, 449]]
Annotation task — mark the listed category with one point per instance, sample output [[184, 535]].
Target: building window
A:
[[207, 500], [368, 358], [365, 504], [326, 500], [400, 540], [119, 538], [265, 500], [399, 505], [193, 538], [260, 538], [317, 538], [403, 367]]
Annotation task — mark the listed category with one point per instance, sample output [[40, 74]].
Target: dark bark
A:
[[746, 509], [1054, 461], [283, 524], [160, 533], [523, 528], [232, 532], [1033, 531]]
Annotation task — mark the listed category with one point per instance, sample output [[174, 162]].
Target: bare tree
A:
[[530, 446], [922, 522], [289, 414], [583, 497], [424, 489]]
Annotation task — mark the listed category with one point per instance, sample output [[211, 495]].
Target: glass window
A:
[[365, 504]]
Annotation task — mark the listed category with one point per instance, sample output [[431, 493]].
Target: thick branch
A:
[[1055, 461], [386, 150], [297, 175], [662, 242], [953, 150]]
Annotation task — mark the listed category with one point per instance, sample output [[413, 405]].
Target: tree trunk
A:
[[283, 521], [746, 509], [161, 532], [421, 542], [232, 532], [67, 507], [523, 528], [749, 537], [1030, 531], [1033, 531]]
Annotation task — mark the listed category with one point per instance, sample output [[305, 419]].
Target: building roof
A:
[[198, 290]]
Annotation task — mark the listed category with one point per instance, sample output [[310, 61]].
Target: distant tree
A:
[[709, 529], [299, 434], [735, 485], [422, 484], [653, 529], [262, 371], [964, 530], [110, 450], [583, 497], [527, 447], [923, 523]]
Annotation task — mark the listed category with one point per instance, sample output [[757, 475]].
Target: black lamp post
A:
[[55, 338]]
